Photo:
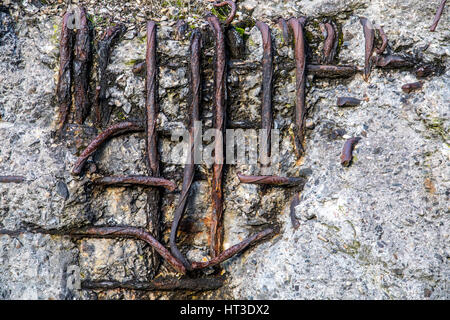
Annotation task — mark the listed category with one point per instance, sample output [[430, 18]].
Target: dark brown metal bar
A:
[[159, 284], [216, 232], [369, 36], [105, 232], [384, 40], [130, 232], [107, 41], [181, 28], [233, 250], [284, 29], [81, 61], [438, 15], [151, 104], [410, 87], [348, 102], [194, 115], [300, 58], [151, 115], [112, 131], [136, 180], [347, 151], [294, 203], [392, 62], [12, 179], [232, 5], [64, 93], [267, 78], [329, 71], [140, 67], [329, 45], [271, 180]]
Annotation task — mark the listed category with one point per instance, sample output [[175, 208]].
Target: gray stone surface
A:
[[378, 229]]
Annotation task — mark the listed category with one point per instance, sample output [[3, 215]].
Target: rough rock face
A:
[[377, 229]]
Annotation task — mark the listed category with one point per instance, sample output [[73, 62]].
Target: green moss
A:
[[55, 35], [220, 13], [437, 126], [132, 62], [241, 31], [331, 227], [121, 115]]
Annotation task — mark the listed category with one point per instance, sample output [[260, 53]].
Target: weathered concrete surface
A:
[[376, 230]]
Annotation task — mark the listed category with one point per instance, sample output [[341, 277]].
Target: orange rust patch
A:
[[429, 186]]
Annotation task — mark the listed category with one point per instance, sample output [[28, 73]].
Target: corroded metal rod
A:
[[12, 179], [300, 58], [81, 61], [369, 36], [232, 5], [112, 131], [438, 15], [348, 102], [347, 151], [384, 40], [64, 94], [392, 62], [294, 203], [130, 232], [151, 107], [216, 231], [284, 29], [107, 41], [159, 284], [271, 180], [330, 45], [267, 77], [410, 87], [105, 232], [136, 180], [194, 115], [233, 250], [329, 71]]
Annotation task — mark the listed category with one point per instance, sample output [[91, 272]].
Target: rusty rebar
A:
[[194, 115], [216, 232], [104, 232], [130, 232], [347, 151], [384, 40], [159, 284], [369, 36], [294, 203], [410, 87], [112, 131], [81, 62], [136, 180], [267, 86], [232, 5], [330, 45], [284, 29], [271, 180], [105, 44], [300, 58], [329, 71], [232, 250], [64, 90], [151, 107], [348, 102], [12, 179], [139, 68], [392, 61], [438, 15], [181, 27]]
